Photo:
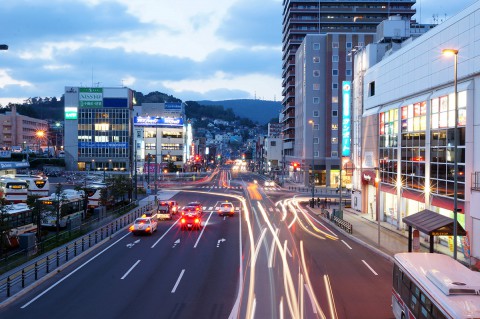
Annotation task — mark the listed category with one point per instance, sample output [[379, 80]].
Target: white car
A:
[[225, 208], [144, 225], [269, 183]]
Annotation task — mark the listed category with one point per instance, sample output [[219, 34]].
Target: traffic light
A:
[[295, 166]]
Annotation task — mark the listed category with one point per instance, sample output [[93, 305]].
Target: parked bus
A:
[[94, 193], [433, 286], [37, 185], [17, 219], [69, 205], [13, 190]]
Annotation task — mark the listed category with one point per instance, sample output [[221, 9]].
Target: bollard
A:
[[48, 265], [58, 258], [66, 253], [36, 271], [23, 278], [75, 249]]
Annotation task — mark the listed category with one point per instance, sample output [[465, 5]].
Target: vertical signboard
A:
[[90, 97], [346, 120]]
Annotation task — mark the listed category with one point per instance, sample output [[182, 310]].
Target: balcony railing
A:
[[476, 181]]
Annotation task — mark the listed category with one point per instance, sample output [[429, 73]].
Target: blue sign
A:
[[102, 145], [173, 106], [10, 165], [157, 121], [346, 119]]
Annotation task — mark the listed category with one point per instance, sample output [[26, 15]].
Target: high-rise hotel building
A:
[[314, 71]]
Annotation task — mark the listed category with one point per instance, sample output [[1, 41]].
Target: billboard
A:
[[346, 118], [90, 97], [157, 121]]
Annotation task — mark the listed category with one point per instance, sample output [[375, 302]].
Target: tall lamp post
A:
[[313, 163], [454, 52]]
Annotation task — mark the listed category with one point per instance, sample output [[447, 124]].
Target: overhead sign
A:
[[71, 113], [90, 97], [157, 121], [346, 121]]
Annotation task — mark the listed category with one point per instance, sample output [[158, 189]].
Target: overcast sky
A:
[[191, 49]]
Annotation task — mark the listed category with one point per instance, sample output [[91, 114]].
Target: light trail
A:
[[331, 301], [308, 284]]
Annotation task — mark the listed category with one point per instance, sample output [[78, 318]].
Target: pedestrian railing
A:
[[16, 280], [343, 224]]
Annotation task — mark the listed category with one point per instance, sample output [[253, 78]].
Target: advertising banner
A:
[[71, 113], [346, 120], [103, 145], [90, 97], [157, 121]]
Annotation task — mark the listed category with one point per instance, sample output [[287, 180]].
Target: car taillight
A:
[[183, 220], [197, 220], [131, 228]]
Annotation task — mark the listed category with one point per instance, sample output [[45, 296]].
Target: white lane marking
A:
[[272, 251], [236, 306], [220, 241], [259, 245], [346, 244], [309, 292], [133, 244], [252, 315], [131, 268], [287, 250], [155, 244], [203, 229], [280, 308], [178, 281], [74, 271], [371, 269], [176, 242]]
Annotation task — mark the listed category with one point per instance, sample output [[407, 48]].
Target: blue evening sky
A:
[[191, 49]]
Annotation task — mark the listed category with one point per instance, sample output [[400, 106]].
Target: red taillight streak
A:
[[197, 221], [183, 220]]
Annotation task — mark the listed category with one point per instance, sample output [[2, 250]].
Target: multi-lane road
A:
[[273, 259]]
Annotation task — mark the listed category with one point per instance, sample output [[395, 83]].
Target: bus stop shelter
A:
[[432, 224]]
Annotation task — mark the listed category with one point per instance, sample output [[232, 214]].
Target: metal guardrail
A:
[[16, 280]]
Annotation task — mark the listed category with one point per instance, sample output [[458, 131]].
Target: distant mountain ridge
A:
[[260, 111]]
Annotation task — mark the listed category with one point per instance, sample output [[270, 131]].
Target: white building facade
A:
[[408, 126]]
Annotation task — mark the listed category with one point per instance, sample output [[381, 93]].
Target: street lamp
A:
[[454, 52], [313, 163]]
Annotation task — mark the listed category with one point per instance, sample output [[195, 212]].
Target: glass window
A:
[[316, 113], [335, 45], [334, 58], [316, 100], [334, 72], [316, 59], [316, 46]]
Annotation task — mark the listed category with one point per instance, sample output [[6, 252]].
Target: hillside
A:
[[256, 110]]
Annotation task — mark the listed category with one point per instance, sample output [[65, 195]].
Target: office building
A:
[[160, 137], [98, 129]]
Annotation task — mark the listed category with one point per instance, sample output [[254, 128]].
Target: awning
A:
[[447, 203], [433, 224], [388, 189], [417, 196]]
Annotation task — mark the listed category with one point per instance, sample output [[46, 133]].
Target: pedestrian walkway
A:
[[382, 237]]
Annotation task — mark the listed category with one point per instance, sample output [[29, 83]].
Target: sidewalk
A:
[[366, 230], [392, 240]]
